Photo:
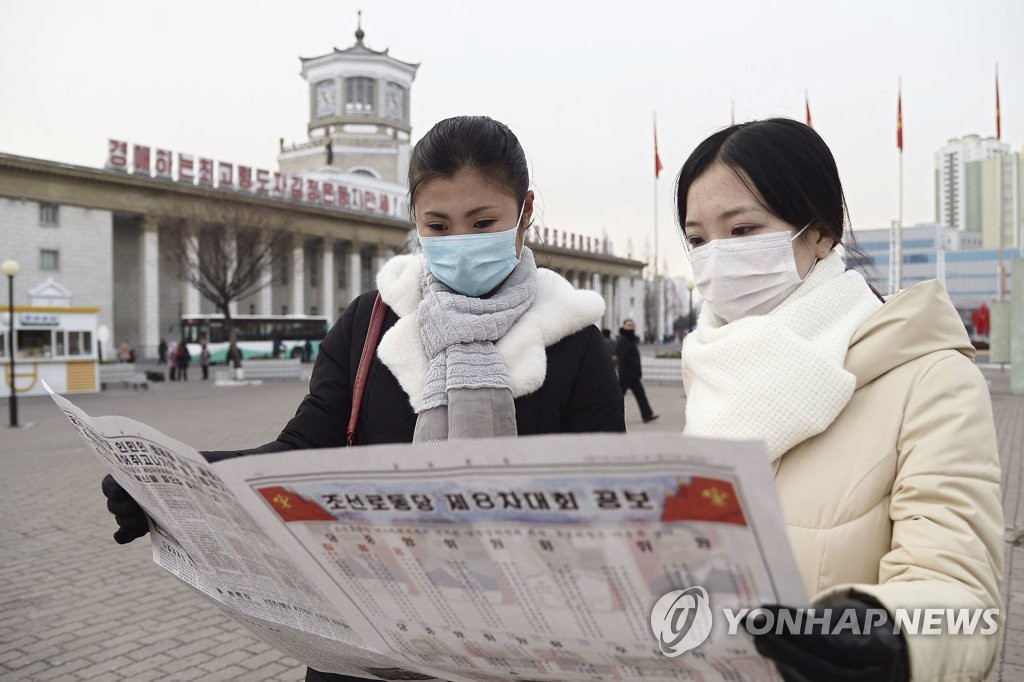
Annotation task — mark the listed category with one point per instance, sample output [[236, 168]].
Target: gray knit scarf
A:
[[468, 391]]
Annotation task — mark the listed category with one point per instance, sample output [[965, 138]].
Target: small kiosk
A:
[[55, 343]]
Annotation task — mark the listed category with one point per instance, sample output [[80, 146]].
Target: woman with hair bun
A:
[[878, 424], [477, 340]]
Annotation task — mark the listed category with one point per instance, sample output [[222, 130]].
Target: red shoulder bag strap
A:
[[380, 311]]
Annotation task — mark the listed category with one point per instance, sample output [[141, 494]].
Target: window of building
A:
[[35, 343], [394, 102], [284, 309], [48, 214], [79, 343], [359, 95], [252, 308], [324, 104], [49, 259]]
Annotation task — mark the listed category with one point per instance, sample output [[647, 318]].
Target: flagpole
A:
[[999, 184], [657, 279], [898, 251]]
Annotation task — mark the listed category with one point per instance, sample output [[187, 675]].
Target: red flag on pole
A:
[[999, 124], [807, 108], [657, 159], [899, 121]]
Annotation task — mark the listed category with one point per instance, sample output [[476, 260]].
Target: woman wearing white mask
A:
[[477, 341], [878, 424]]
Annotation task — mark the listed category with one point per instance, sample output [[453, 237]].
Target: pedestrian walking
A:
[[161, 351], [183, 360], [172, 360], [627, 357], [877, 422], [204, 360], [307, 351], [470, 326]]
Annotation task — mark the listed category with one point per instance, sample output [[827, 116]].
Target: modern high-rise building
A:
[[978, 188]]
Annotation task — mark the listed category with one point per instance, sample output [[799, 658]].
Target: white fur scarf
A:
[[558, 310], [778, 377]]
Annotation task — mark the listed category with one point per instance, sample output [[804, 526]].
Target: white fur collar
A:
[[558, 311]]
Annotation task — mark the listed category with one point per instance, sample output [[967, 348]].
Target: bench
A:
[[123, 374], [258, 370]]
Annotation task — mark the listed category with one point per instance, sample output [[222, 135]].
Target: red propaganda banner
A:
[[295, 182], [703, 499], [245, 178], [279, 185], [117, 158], [291, 506], [225, 174], [140, 160], [206, 172], [312, 190], [186, 168], [327, 193], [164, 163], [262, 181]]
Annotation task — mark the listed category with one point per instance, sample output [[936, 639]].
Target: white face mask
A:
[[744, 276]]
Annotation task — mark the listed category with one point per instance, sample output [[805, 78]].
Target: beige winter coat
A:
[[899, 498]]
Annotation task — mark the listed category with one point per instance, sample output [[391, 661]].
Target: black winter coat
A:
[[627, 357], [580, 393]]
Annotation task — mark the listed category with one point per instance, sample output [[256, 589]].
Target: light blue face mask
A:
[[473, 264]]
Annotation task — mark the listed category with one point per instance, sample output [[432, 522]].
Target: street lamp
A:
[[11, 268], [689, 306]]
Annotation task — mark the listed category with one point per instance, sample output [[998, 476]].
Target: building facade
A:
[[969, 272], [106, 235], [978, 188]]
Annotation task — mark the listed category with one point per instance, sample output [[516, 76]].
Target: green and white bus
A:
[[255, 335]]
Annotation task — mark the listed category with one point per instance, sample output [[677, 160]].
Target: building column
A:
[[149, 294], [298, 303], [266, 297], [380, 257], [327, 279], [355, 270], [190, 297], [609, 298]]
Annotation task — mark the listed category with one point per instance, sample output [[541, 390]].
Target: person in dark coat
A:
[[523, 341], [628, 359], [182, 360]]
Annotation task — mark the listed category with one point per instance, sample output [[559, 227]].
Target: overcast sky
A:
[[577, 82]]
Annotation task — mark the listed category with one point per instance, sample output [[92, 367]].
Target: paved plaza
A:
[[76, 606]]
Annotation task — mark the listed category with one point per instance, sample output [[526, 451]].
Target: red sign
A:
[[164, 163], [140, 160], [117, 158], [204, 172]]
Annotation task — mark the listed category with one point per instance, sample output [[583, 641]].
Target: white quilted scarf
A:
[[778, 377]]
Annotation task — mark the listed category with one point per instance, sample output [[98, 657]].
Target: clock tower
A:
[[358, 115]]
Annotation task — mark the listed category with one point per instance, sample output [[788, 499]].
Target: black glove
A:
[[131, 520], [876, 655]]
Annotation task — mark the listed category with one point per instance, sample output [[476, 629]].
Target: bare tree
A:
[[226, 250]]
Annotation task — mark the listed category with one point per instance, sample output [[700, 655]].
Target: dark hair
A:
[[476, 142], [788, 164]]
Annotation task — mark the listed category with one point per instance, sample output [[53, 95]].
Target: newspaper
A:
[[535, 558]]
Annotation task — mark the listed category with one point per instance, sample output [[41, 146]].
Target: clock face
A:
[[394, 102], [324, 99]]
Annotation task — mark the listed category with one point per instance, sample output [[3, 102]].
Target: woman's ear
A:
[[527, 212], [822, 243]]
